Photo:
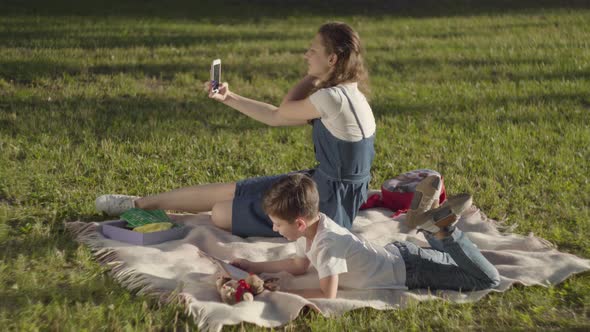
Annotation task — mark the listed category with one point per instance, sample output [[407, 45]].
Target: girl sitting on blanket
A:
[[331, 97], [341, 259]]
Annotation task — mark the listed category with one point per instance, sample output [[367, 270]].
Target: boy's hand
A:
[[241, 263]]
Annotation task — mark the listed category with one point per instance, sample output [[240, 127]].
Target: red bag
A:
[[397, 193]]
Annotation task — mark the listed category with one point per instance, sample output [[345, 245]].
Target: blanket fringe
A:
[[544, 241], [88, 234], [505, 229], [499, 225]]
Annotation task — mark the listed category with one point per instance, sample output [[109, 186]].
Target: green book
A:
[[160, 214], [138, 217]]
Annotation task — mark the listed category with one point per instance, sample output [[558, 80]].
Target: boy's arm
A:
[[328, 289], [295, 266]]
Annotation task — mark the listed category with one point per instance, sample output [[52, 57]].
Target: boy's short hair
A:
[[291, 197]]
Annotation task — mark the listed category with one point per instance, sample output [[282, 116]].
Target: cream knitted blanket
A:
[[174, 271]]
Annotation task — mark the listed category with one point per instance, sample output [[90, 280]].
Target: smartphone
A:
[[216, 75]]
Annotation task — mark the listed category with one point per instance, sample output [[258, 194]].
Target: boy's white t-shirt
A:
[[337, 116], [360, 265]]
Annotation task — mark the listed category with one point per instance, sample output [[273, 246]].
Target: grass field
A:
[[106, 99]]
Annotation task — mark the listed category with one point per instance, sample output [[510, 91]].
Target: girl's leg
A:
[[217, 198], [221, 215], [194, 199]]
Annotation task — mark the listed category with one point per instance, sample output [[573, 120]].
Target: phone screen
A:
[[217, 73]]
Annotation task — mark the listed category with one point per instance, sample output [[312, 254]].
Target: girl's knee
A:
[[221, 215]]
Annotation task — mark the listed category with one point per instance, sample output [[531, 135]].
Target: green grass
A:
[[106, 99]]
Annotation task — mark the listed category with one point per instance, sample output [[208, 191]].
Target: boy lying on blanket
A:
[[342, 259]]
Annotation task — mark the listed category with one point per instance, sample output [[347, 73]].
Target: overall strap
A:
[[353, 111]]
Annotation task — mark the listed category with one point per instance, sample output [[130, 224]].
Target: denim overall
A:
[[342, 177]]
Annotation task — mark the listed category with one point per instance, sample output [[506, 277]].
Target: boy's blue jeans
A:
[[452, 263]]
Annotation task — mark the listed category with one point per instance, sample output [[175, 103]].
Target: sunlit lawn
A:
[[110, 102]]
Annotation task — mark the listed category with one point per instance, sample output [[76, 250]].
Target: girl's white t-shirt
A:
[[337, 116], [359, 264]]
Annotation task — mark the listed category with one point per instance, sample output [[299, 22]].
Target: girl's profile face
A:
[[318, 64]]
